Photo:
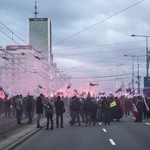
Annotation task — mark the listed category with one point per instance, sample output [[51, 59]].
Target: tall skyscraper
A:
[[40, 35]]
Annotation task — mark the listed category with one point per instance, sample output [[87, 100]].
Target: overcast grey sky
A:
[[90, 37]]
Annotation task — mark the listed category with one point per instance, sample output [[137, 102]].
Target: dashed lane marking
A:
[[112, 142], [104, 130], [100, 123], [147, 123]]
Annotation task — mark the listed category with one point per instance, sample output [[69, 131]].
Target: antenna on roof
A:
[[35, 13]]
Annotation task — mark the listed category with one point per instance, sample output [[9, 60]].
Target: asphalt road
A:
[[123, 135]]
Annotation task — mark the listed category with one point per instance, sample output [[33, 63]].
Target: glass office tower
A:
[[40, 36]]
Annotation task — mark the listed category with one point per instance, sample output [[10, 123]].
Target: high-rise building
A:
[[40, 36]]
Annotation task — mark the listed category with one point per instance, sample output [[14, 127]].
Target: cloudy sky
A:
[[89, 37]]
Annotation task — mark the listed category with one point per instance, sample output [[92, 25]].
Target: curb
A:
[[12, 142]]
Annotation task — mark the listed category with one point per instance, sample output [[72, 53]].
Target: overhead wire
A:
[[22, 41], [87, 77], [25, 67], [109, 80], [101, 51], [115, 14], [10, 53], [34, 55], [101, 45]]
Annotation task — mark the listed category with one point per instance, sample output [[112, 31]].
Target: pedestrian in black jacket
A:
[[94, 112], [39, 109], [87, 107], [30, 107], [140, 107], [59, 107], [75, 108], [105, 109]]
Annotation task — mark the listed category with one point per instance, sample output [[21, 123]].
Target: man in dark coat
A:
[[140, 107], [39, 109], [75, 107], [72, 111], [94, 112], [30, 107], [105, 110], [59, 107], [87, 107]]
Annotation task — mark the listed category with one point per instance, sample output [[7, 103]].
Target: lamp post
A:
[[147, 58], [132, 69]]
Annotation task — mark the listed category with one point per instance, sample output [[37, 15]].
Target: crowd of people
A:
[[42, 106], [88, 109], [107, 109]]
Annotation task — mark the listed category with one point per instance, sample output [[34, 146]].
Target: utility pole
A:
[[132, 69], [147, 57], [138, 76]]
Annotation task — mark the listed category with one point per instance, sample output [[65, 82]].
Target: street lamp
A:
[[147, 58], [132, 69]]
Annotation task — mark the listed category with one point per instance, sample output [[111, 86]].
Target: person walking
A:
[[49, 115], [140, 107], [75, 108], [72, 111], [94, 112], [19, 108], [87, 107], [39, 109], [30, 107], [7, 104], [105, 111], [59, 107]]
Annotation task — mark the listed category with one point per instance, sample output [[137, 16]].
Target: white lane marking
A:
[[147, 123], [104, 130], [100, 123], [112, 142]]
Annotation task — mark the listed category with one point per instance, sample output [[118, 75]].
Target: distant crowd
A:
[[88, 110]]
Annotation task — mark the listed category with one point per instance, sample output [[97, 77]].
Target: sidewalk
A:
[[21, 133], [17, 135]]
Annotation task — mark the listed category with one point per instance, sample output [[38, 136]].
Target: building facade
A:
[[23, 72], [40, 36]]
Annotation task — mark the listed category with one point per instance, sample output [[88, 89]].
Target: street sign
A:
[[147, 82], [146, 91]]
